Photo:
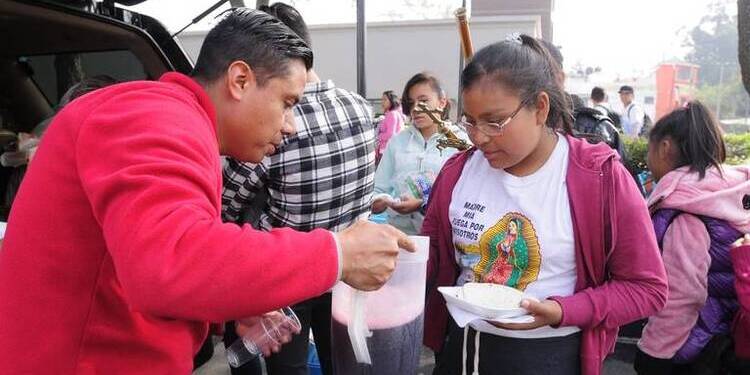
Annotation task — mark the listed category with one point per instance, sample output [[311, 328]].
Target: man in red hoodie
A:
[[116, 259]]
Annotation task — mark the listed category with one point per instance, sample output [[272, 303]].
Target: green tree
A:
[[713, 45], [730, 96], [743, 31]]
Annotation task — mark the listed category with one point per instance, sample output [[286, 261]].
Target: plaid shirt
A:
[[321, 177]]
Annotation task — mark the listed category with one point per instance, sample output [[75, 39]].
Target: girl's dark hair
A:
[[697, 134], [527, 68], [423, 77], [392, 99]]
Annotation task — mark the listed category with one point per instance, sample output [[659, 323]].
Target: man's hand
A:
[[407, 205], [546, 313], [369, 253]]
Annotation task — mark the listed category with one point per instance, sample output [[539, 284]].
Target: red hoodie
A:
[[620, 275], [116, 258]]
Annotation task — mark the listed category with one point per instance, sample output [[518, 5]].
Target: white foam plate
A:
[[518, 319], [463, 317], [454, 296]]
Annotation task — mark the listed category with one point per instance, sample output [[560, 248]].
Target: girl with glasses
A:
[[533, 208]]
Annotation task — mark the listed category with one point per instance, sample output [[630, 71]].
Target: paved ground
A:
[[618, 364], [218, 364]]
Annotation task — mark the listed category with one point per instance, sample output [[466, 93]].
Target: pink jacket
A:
[[620, 276], [390, 126], [686, 244]]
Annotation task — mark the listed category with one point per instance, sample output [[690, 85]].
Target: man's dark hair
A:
[[255, 37], [291, 18], [597, 94]]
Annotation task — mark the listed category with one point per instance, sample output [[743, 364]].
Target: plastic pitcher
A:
[[380, 332]]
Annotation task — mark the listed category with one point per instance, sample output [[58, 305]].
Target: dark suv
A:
[[48, 46]]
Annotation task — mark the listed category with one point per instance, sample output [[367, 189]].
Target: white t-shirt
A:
[[516, 231], [632, 119], [602, 108]]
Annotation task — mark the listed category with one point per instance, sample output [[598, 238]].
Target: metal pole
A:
[[718, 96], [361, 49], [201, 16], [461, 62], [459, 99]]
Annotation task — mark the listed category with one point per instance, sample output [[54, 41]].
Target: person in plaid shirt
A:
[[321, 177]]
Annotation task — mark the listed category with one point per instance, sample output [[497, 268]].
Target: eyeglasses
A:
[[490, 128]]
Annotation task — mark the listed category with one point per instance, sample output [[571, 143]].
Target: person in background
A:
[[391, 124], [116, 257], [79, 89], [588, 122], [533, 208], [557, 58], [320, 177], [27, 143], [599, 100], [741, 259], [412, 160], [700, 207], [632, 116], [599, 103]]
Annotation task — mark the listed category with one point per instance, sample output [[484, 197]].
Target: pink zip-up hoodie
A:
[[685, 247], [391, 125]]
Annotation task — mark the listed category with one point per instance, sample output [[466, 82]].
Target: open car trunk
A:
[[48, 46]]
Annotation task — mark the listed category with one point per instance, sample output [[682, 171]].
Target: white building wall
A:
[[397, 50]]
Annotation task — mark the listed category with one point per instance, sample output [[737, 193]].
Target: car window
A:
[[54, 74]]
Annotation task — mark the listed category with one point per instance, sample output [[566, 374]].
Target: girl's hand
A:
[[379, 205], [546, 313], [407, 205], [742, 241]]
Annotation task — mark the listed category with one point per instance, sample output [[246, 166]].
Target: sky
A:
[[626, 38]]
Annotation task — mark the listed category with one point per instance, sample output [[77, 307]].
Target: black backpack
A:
[[648, 124], [613, 116], [593, 125]]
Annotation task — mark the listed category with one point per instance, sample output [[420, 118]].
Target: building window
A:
[[684, 73]]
